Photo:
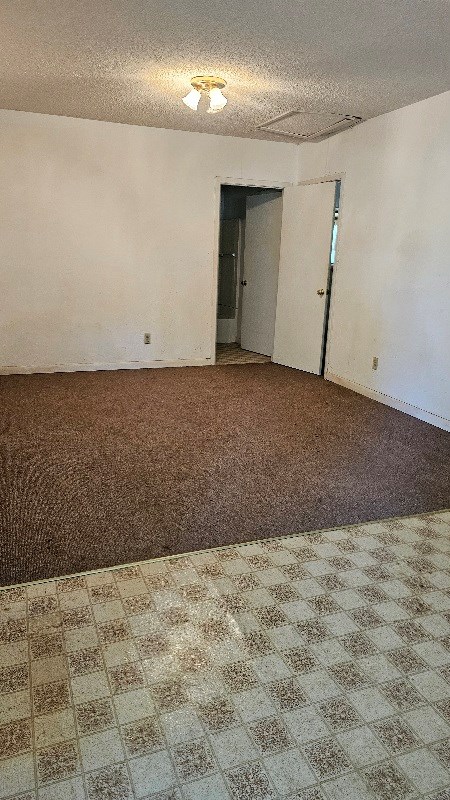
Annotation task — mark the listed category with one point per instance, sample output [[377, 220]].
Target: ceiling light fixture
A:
[[210, 85]]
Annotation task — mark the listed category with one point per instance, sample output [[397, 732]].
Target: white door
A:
[[302, 282], [260, 274]]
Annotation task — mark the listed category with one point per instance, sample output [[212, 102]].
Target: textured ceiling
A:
[[131, 60]]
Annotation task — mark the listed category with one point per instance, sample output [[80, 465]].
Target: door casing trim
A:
[[219, 181]]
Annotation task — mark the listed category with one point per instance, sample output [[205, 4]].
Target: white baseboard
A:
[[393, 402], [49, 368]]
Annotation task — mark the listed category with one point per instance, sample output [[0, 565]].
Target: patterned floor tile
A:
[[109, 783], [362, 747], [424, 770], [219, 714], [194, 760], [395, 735], [57, 762], [427, 724], [289, 772], [306, 724], [152, 774], [287, 694], [312, 667], [327, 758], [233, 747], [350, 787], [51, 697], [17, 776], [101, 749], [54, 728], [15, 738], [182, 725], [388, 782], [14, 678], [339, 714], [270, 735]]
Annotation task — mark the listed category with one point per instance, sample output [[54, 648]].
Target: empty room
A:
[[224, 400]]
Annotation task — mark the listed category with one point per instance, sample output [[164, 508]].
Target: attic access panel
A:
[[309, 126]]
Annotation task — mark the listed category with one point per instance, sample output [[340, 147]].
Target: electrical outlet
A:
[[147, 338], [375, 362]]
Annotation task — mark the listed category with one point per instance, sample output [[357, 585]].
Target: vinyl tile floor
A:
[[234, 354], [310, 667]]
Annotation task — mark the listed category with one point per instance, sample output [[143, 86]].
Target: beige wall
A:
[[391, 294], [107, 231]]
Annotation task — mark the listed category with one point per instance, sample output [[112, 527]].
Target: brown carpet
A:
[[106, 468]]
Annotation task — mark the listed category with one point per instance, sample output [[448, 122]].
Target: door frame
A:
[[252, 183], [331, 177]]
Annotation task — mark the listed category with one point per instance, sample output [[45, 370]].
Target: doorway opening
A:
[[277, 258], [332, 261], [249, 253]]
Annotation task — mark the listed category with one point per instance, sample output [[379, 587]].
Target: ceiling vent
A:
[[309, 126]]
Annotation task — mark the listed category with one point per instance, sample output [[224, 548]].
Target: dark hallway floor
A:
[[107, 468]]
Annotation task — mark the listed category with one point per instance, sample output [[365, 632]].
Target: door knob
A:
[[321, 292], [243, 283]]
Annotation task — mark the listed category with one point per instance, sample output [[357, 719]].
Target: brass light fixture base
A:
[[204, 83]]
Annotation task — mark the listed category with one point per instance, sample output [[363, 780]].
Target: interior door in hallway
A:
[[308, 213], [260, 275]]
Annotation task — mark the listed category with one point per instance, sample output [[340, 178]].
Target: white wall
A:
[[391, 293], [108, 231]]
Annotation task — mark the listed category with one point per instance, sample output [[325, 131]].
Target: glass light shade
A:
[[192, 99], [216, 101]]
